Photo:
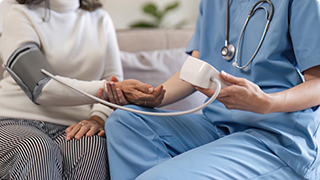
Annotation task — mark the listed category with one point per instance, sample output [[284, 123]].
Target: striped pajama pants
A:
[[38, 150]]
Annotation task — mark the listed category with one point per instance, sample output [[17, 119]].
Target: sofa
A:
[[152, 56]]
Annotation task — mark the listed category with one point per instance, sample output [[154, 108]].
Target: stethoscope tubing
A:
[[269, 16], [262, 1], [256, 51]]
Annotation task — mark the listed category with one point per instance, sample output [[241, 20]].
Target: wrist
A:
[[96, 119], [105, 92], [271, 103]]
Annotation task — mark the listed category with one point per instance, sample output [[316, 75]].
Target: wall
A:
[[125, 12]]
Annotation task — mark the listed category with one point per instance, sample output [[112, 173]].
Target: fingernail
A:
[[223, 73], [68, 138], [151, 90], [77, 137]]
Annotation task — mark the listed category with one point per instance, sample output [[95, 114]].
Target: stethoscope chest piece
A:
[[227, 52]]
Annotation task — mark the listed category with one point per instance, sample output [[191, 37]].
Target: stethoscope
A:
[[228, 51]]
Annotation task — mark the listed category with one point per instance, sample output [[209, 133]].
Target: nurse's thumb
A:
[[229, 78]]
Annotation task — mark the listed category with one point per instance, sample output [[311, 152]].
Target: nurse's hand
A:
[[242, 95], [95, 125], [135, 92]]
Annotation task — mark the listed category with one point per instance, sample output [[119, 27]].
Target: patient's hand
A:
[[95, 125], [134, 91], [115, 95]]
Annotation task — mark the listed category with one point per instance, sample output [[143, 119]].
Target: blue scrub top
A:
[[291, 46]]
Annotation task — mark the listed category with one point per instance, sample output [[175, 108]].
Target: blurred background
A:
[[171, 13], [127, 14]]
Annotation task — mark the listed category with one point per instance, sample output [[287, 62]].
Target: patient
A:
[[47, 130]]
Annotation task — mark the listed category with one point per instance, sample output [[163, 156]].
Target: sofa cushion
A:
[[149, 39], [155, 67]]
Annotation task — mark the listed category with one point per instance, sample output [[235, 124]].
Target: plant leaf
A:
[[143, 24], [151, 9], [171, 6], [181, 23]]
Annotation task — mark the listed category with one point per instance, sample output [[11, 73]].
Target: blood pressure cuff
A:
[[24, 65]]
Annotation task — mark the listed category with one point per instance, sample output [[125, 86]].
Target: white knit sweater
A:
[[80, 46]]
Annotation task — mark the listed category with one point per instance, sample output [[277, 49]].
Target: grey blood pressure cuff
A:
[[24, 65]]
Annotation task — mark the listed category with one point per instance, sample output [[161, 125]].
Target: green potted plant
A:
[[158, 15]]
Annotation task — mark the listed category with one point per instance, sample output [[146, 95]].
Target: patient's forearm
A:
[[56, 94]]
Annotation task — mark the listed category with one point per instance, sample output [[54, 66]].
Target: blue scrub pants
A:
[[186, 147]]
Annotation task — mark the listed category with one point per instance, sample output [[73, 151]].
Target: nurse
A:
[[264, 126]]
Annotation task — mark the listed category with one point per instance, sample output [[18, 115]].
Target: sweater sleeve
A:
[[57, 94], [113, 65]]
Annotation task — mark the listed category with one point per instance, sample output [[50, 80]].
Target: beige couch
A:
[[152, 56]]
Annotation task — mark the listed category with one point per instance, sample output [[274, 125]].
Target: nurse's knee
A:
[[120, 116], [121, 121], [155, 174]]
